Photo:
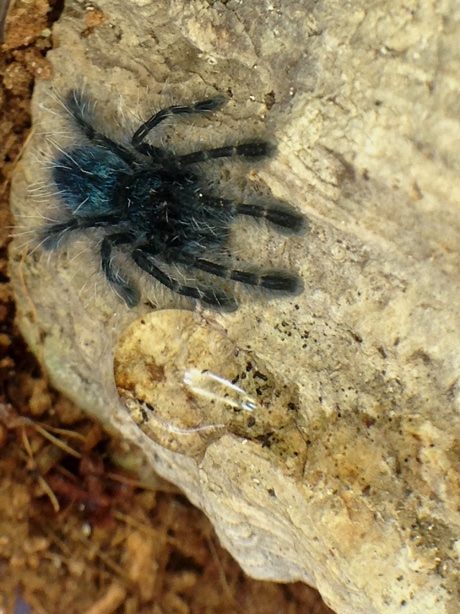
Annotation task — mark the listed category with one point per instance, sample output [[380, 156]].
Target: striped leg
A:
[[279, 214], [210, 296], [203, 106], [276, 280]]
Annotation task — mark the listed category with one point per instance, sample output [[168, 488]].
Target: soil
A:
[[78, 534]]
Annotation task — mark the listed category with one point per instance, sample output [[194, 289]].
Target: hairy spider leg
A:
[[209, 296], [251, 149], [280, 281], [279, 214], [79, 107], [53, 233], [203, 106], [122, 286]]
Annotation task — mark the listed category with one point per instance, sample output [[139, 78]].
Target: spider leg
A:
[[53, 234], [251, 149], [279, 281], [279, 214], [203, 106], [79, 107], [121, 285], [157, 153], [210, 296]]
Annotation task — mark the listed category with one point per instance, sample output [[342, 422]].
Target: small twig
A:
[[48, 490]]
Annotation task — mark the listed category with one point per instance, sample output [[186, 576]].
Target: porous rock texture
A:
[[346, 475]]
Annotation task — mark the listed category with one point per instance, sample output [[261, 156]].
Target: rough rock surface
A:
[[354, 487]]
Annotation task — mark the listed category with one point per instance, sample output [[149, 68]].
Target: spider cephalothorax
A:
[[153, 205]]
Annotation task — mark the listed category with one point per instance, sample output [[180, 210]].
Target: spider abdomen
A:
[[87, 179]]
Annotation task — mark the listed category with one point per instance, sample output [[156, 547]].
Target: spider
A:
[[151, 204]]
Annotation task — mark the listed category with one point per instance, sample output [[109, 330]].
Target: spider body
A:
[[152, 204]]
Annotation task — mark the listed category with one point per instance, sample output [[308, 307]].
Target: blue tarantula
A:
[[152, 205]]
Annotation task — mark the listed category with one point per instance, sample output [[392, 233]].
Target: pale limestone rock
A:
[[366, 116]]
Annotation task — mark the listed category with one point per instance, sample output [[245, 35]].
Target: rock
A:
[[345, 474]]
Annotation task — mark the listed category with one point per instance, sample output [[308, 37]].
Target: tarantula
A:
[[152, 205]]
